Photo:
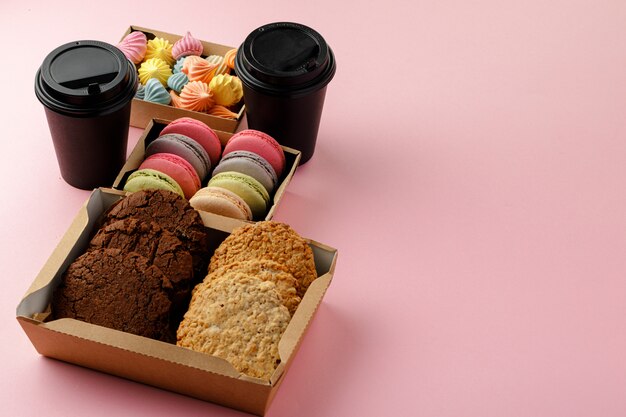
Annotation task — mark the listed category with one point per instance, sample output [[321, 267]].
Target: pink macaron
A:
[[259, 143], [177, 168], [199, 132]]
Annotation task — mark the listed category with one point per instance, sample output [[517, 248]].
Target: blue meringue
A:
[[156, 93], [178, 66], [177, 81]]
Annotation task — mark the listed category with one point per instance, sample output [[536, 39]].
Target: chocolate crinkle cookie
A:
[[171, 212], [161, 247], [119, 290]]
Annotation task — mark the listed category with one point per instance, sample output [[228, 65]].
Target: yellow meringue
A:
[[160, 48], [227, 89], [154, 68]]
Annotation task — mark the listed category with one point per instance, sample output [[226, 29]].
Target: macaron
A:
[[259, 143], [176, 168], [221, 201], [250, 164], [149, 179], [246, 187], [186, 148], [199, 132]]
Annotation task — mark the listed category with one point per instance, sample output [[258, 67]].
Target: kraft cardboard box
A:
[[152, 131], [150, 361], [143, 111]]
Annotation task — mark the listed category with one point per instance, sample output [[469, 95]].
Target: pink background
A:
[[470, 168]]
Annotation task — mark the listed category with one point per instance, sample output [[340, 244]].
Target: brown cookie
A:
[[272, 241], [115, 289], [172, 212], [240, 319], [161, 247], [265, 270]]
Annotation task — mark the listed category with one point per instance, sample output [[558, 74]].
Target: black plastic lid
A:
[[285, 57], [85, 78]]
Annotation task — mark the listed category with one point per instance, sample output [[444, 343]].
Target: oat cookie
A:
[[272, 241], [119, 290], [265, 270], [240, 319], [172, 212]]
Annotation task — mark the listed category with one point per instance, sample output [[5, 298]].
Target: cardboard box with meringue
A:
[[150, 361], [143, 111]]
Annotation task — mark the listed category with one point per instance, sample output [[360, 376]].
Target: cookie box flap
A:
[[147, 361], [325, 260], [71, 245]]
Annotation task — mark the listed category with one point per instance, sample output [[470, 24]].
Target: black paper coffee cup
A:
[[87, 88], [284, 69]]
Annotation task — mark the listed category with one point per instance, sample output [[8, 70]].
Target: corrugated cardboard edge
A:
[[291, 339], [142, 111], [278, 194], [166, 366], [157, 363]]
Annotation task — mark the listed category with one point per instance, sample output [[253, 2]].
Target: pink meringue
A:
[[187, 45], [134, 46]]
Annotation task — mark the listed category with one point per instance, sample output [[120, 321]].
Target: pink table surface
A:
[[470, 168]]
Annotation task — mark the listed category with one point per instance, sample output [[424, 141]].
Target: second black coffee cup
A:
[[86, 88], [285, 68]]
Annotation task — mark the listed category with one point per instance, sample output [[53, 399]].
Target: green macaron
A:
[[246, 187], [145, 179]]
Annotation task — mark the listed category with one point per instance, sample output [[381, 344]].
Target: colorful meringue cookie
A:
[[227, 89], [178, 66], [218, 60], [160, 48], [156, 93], [187, 45], [199, 70], [175, 99], [190, 61], [196, 96], [141, 91], [221, 111], [229, 58], [177, 81], [154, 68], [134, 46]]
